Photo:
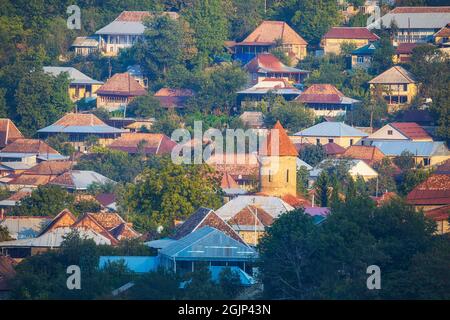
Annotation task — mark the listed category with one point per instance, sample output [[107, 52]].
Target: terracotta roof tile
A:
[[420, 10], [332, 148], [405, 48], [89, 221], [268, 32], [63, 219], [32, 180], [8, 132], [350, 33], [155, 143], [50, 168], [29, 146], [284, 144], [122, 84], [369, 154], [444, 32], [228, 182], [321, 93], [79, 119], [411, 130], [124, 231], [433, 191], [250, 216]]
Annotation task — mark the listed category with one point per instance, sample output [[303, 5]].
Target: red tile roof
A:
[[443, 168], [296, 201], [420, 10], [439, 214], [332, 148], [405, 48], [411, 130], [369, 154], [269, 62], [283, 146], [444, 32], [63, 219], [155, 143], [122, 84], [350, 33], [29, 146], [250, 216], [268, 32], [321, 93], [50, 168], [173, 98], [79, 119], [8, 132], [433, 191]]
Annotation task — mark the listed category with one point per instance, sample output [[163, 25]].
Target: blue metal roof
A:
[[208, 244], [122, 28], [418, 148], [134, 264], [331, 129], [80, 129]]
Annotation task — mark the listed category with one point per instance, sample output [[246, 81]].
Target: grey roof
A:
[[81, 179], [208, 243], [394, 75], [281, 91], [75, 76], [301, 163], [425, 20], [418, 148], [331, 129], [41, 156], [272, 205], [160, 243], [24, 227], [98, 129], [54, 238], [122, 28], [15, 165]]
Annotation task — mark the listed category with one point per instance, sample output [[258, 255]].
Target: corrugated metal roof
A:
[[80, 129], [80, 179], [418, 148], [272, 205], [301, 163], [414, 20], [76, 76], [55, 237], [331, 129], [133, 263], [122, 28], [24, 227], [208, 243]]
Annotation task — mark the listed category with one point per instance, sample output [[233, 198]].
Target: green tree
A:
[[230, 283], [47, 92], [45, 200], [313, 154], [166, 191], [158, 285], [145, 107], [199, 285], [209, 21], [293, 115], [385, 181], [405, 160], [60, 143], [411, 178], [382, 57], [322, 188], [4, 234]]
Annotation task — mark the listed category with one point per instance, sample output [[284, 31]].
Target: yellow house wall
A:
[[394, 91], [83, 91], [334, 45], [342, 141], [277, 182]]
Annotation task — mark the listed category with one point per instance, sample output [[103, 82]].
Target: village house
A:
[[84, 46], [409, 131], [442, 37], [136, 72], [29, 151], [369, 154], [414, 24], [81, 86], [144, 143], [441, 216], [230, 187], [326, 100], [38, 175], [24, 227], [8, 132], [336, 37], [403, 52], [349, 10], [397, 86], [125, 31], [362, 57], [251, 97], [266, 65], [173, 98], [118, 92], [78, 126], [425, 153], [103, 228], [356, 168], [79, 180], [431, 194], [333, 150], [8, 204], [269, 35], [252, 119], [327, 132]]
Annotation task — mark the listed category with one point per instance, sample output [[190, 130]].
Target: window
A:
[[270, 176], [405, 87], [360, 59], [351, 142], [317, 141], [390, 132], [330, 140], [426, 161], [287, 175]]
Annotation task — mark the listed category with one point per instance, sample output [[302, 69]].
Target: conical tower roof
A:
[[285, 146]]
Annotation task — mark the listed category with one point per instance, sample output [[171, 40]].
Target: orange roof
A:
[[122, 84], [168, 92], [49, 168], [321, 93], [350, 33], [8, 132], [246, 217], [268, 32], [124, 231], [386, 197], [19, 195], [284, 143], [32, 180], [433, 191], [369, 154], [29, 146], [155, 143], [79, 119], [88, 221], [107, 219], [444, 32], [63, 219], [296, 201], [228, 182], [411, 130]]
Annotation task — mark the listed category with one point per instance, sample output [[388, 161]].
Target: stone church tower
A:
[[278, 165]]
